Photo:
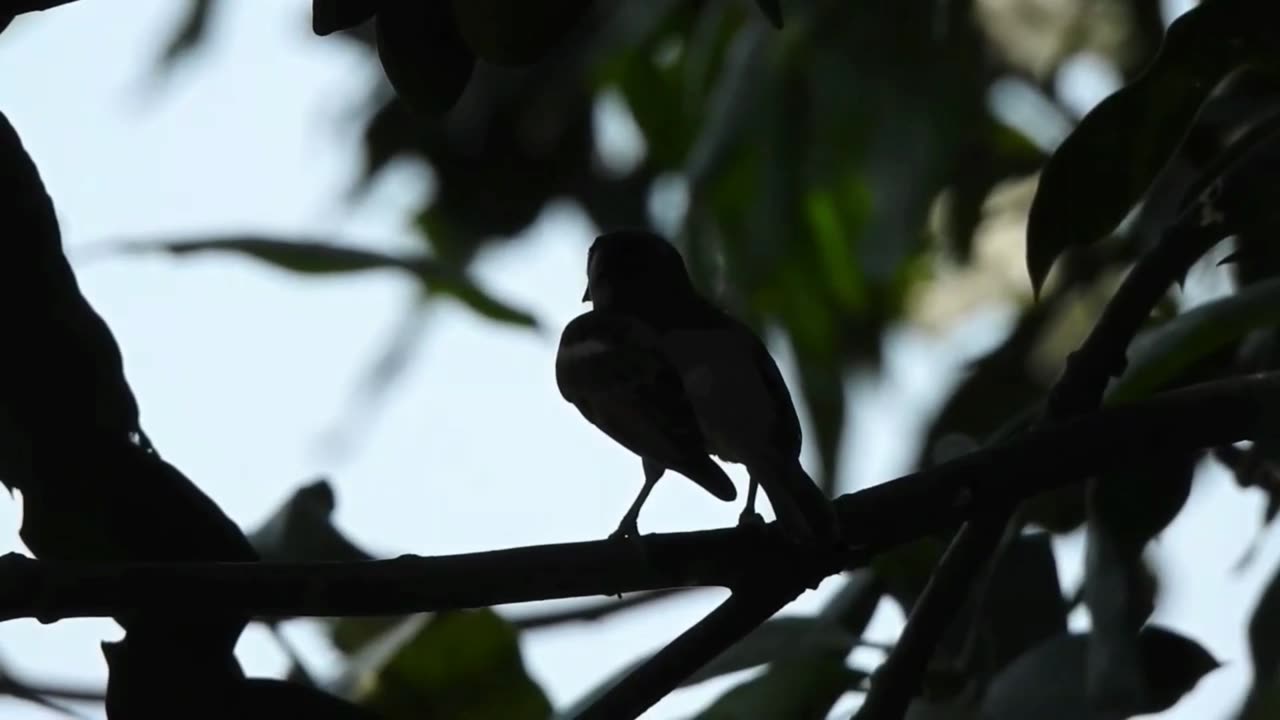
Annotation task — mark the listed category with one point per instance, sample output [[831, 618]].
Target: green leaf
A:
[[799, 689], [1163, 354], [322, 258], [1103, 168], [462, 665]]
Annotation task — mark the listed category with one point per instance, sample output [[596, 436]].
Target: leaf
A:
[[799, 689], [772, 10], [422, 54], [321, 258], [191, 32], [1102, 169], [301, 530], [1023, 604], [1161, 355], [517, 33], [777, 640], [462, 665], [998, 152], [1048, 681], [330, 16], [1174, 664], [852, 606]]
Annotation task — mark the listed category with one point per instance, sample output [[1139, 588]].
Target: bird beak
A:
[[586, 294]]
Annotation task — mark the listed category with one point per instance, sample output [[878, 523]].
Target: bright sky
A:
[[241, 369]]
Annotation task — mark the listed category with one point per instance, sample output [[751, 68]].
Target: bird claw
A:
[[751, 518], [630, 534]]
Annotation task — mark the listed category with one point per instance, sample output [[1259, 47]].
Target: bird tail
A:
[[803, 510], [712, 478]]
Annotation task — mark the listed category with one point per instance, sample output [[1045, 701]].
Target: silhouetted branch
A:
[[1080, 390], [876, 519], [741, 613], [593, 612]]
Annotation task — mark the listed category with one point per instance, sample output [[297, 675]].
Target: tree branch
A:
[[590, 613], [741, 613], [1080, 390], [876, 519]]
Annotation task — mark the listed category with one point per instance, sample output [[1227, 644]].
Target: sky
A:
[[242, 371]]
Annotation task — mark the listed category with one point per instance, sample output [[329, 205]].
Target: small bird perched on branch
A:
[[737, 394], [612, 369]]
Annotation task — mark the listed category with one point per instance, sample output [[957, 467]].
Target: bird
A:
[[742, 404], [612, 369]]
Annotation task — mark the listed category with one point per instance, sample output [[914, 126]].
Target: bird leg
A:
[[749, 515], [629, 527]]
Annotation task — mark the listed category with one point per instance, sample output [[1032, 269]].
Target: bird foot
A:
[[751, 518], [630, 534]]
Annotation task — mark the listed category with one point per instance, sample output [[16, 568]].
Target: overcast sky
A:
[[241, 369]]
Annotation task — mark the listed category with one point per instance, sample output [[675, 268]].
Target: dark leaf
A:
[[778, 640], [799, 689], [1022, 605], [906, 569], [1163, 354], [301, 530], [1136, 504], [422, 54], [517, 33], [329, 16], [998, 152], [1049, 682], [1174, 664], [191, 32], [461, 664], [772, 9], [321, 258], [852, 606], [1102, 169]]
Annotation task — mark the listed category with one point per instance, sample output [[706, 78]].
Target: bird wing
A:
[[611, 368], [737, 390]]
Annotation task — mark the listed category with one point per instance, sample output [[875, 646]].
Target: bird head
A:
[[625, 266]]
